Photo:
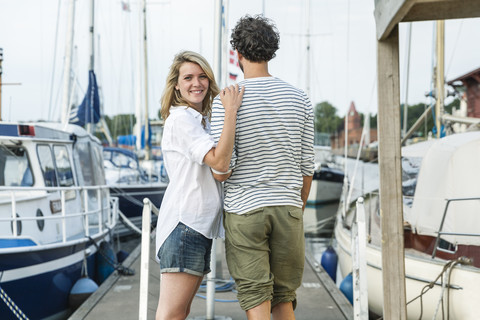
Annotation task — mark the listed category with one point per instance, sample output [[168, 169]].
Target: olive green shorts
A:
[[265, 252]]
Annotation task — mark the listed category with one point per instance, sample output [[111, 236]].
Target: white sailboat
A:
[[442, 241], [130, 177], [441, 202]]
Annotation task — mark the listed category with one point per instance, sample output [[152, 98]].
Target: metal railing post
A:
[[87, 222], [14, 215], [100, 217], [359, 248], [64, 214], [144, 259], [211, 283]]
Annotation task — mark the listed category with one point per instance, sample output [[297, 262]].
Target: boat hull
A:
[[39, 280], [326, 186], [130, 203], [419, 271]]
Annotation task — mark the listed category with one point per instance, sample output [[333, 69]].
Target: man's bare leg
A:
[[283, 311], [260, 312]]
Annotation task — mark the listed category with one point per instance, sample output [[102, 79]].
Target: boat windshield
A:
[[15, 167], [410, 169], [120, 160]]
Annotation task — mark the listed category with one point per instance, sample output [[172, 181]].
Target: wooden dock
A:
[[118, 297]]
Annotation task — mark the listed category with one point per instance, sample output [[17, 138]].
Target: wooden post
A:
[[393, 263]]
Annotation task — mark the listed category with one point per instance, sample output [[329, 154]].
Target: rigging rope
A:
[[11, 305]]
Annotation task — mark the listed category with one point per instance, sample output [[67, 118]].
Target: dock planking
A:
[[118, 296]]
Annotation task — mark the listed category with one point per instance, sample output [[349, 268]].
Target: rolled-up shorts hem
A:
[[277, 301], [251, 305], [189, 271], [254, 302]]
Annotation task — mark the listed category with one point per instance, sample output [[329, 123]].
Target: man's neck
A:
[[255, 69]]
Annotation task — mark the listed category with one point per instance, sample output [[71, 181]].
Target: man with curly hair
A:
[[270, 174]]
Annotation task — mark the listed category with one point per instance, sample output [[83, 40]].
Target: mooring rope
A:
[[129, 224], [11, 305], [447, 268]]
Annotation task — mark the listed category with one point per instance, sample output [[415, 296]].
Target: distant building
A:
[[354, 131], [471, 82]]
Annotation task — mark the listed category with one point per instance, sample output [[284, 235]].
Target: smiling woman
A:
[[191, 212], [193, 84]]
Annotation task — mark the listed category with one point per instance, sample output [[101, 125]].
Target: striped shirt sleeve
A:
[[218, 117], [308, 156]]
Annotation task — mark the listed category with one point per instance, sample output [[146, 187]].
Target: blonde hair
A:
[[172, 97]]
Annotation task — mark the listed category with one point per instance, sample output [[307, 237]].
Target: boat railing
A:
[[106, 211], [148, 208], [440, 232]]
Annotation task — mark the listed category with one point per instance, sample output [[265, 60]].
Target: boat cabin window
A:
[[85, 163], [64, 169], [46, 163], [15, 167], [98, 167], [410, 169], [90, 162]]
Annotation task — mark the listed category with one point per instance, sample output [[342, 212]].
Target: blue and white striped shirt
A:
[[273, 145]]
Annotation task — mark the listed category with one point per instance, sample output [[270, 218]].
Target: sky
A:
[[342, 64]]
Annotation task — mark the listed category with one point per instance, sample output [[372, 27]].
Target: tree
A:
[[415, 111], [120, 124], [326, 119]]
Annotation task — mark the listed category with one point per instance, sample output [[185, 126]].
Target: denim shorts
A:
[[185, 250]]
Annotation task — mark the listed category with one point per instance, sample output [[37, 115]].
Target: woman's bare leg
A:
[[177, 291]]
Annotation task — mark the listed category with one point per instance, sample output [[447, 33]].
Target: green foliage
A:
[[415, 111], [326, 119], [120, 124]]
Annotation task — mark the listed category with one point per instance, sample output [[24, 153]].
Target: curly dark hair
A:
[[256, 38]]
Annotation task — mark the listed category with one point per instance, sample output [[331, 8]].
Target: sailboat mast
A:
[[440, 77], [145, 65], [217, 66], [1, 60], [217, 40], [89, 125], [67, 66], [307, 73], [407, 79], [138, 86], [92, 35]]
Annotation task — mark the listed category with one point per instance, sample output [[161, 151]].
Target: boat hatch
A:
[[16, 242], [17, 130]]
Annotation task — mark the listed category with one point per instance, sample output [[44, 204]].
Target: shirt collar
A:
[[197, 115]]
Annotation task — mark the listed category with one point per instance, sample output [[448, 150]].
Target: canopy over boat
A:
[[450, 169]]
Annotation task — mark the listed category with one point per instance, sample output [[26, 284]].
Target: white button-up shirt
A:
[[193, 196]]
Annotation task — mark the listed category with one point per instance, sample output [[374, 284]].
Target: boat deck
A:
[[118, 296]]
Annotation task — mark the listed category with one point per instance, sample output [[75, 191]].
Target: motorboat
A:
[[327, 180], [55, 213], [131, 184]]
